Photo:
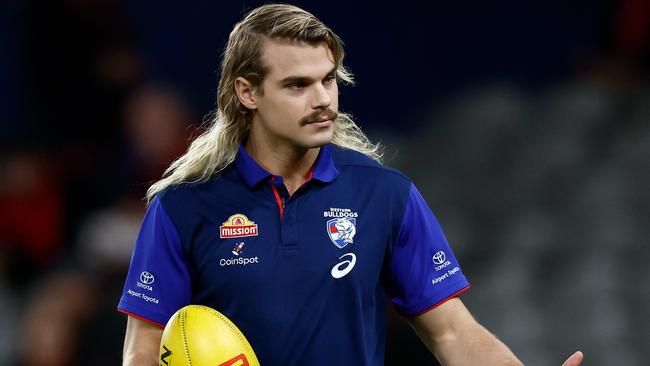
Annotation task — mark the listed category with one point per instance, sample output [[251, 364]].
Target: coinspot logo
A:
[[439, 257], [146, 278]]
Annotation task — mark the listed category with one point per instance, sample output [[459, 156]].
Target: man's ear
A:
[[245, 93]]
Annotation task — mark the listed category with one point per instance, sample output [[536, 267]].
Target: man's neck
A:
[[291, 163]]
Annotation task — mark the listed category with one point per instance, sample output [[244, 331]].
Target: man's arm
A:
[[141, 343], [455, 338]]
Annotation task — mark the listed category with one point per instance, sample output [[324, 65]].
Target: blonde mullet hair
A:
[[216, 148]]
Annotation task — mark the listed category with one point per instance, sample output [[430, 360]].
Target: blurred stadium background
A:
[[526, 125]]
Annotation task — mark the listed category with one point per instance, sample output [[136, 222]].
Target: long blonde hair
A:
[[217, 147]]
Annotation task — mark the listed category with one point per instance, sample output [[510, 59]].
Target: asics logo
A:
[[344, 267]]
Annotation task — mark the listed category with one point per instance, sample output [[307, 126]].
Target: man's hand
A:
[[574, 360]]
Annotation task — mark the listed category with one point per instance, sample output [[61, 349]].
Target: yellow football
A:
[[198, 335]]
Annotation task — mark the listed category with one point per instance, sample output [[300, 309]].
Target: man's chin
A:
[[320, 143], [319, 140]]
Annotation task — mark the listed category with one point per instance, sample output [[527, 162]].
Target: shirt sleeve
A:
[[423, 271], [159, 281]]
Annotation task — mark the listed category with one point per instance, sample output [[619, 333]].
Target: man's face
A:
[[300, 96]]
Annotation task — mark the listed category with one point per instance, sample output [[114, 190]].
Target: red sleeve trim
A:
[[141, 318], [445, 300]]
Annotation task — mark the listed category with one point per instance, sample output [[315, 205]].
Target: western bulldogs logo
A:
[[342, 230]]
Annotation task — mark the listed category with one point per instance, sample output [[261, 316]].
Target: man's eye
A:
[[296, 86], [330, 79]]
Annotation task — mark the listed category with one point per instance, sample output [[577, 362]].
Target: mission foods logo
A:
[[237, 226]]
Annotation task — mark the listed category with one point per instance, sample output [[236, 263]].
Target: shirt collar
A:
[[252, 173], [324, 169]]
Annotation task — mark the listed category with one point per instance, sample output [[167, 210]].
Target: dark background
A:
[[526, 126]]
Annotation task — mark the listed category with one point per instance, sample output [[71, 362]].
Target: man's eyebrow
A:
[[303, 79]]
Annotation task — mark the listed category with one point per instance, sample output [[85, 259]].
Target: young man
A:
[[281, 217]]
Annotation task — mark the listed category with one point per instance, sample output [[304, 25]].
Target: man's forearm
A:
[[472, 344], [141, 343], [140, 360], [452, 334]]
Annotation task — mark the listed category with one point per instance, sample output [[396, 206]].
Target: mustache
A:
[[319, 115]]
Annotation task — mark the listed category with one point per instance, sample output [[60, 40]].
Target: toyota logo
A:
[[146, 278], [439, 257]]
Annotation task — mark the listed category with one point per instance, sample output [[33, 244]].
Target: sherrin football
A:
[[198, 335]]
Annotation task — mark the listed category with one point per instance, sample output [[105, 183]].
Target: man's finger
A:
[[574, 360]]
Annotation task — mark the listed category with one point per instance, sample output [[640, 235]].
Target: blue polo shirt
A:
[[305, 277]]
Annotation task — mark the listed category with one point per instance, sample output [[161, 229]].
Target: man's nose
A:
[[321, 98]]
